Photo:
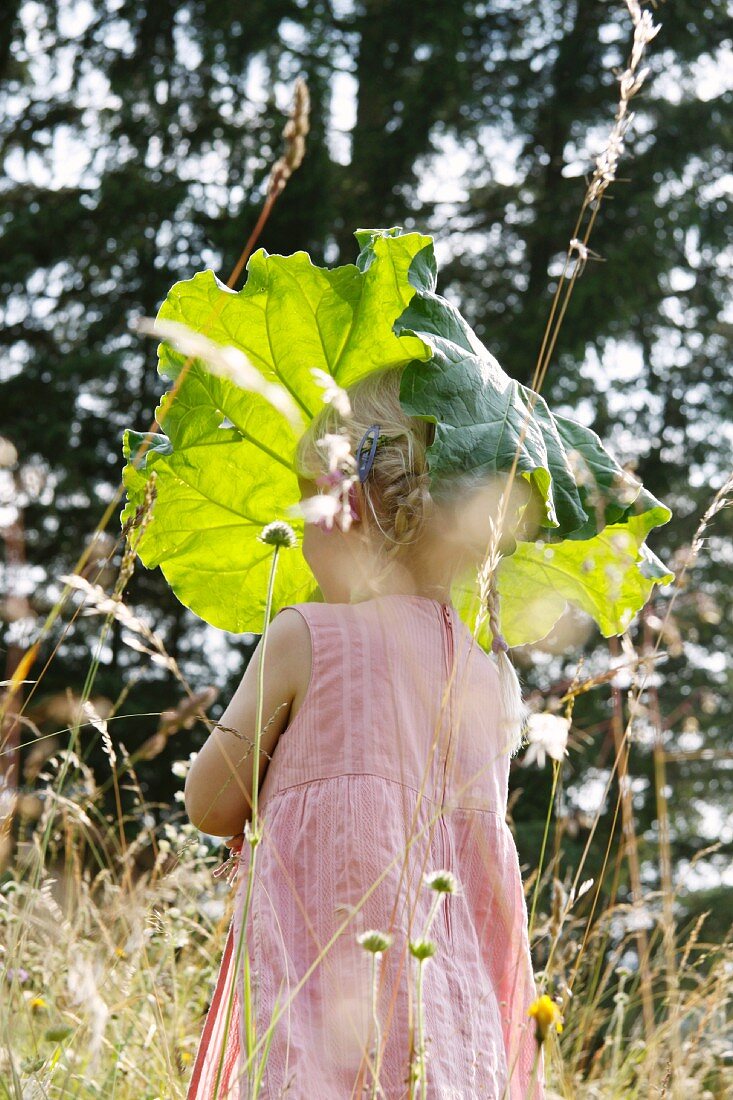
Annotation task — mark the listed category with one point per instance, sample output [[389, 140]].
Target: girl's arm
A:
[[218, 790]]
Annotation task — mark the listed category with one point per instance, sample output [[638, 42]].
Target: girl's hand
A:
[[234, 844]]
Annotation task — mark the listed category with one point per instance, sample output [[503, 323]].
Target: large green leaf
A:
[[609, 577], [480, 414], [591, 516], [225, 467]]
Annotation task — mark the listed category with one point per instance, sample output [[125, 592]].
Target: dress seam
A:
[[384, 779]]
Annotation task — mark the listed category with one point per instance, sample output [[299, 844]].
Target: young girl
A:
[[384, 760]]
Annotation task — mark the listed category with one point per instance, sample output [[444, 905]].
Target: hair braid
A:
[[405, 504], [514, 710]]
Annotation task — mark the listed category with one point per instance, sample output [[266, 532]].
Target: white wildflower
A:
[[548, 736], [334, 505], [375, 941], [443, 882], [333, 394], [212, 908], [180, 768], [321, 508], [337, 449], [423, 949], [279, 534]]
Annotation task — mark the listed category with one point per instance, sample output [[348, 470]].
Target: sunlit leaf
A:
[[224, 468]]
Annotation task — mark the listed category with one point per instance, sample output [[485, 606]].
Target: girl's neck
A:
[[426, 573], [439, 592]]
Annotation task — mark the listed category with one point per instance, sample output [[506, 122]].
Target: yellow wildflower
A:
[[546, 1014]]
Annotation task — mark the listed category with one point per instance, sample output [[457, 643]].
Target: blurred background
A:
[[136, 138]]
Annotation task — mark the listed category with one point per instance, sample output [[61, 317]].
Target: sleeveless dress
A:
[[391, 769]]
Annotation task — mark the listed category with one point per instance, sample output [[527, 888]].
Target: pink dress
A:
[[392, 768]]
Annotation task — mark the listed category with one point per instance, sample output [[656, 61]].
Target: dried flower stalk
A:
[[630, 81], [294, 135]]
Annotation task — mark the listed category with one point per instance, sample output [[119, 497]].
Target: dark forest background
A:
[[136, 137]]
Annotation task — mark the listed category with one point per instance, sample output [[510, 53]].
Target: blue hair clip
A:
[[364, 464]]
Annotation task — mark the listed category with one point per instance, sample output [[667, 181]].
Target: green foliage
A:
[[219, 481], [597, 513], [216, 486]]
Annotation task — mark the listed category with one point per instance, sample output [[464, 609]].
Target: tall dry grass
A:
[[109, 946]]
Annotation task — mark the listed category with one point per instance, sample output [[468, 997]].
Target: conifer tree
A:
[[136, 138]]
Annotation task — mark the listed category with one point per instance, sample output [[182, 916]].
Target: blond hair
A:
[[397, 488]]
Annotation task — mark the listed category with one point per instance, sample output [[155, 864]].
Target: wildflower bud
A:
[[546, 1015], [57, 1034], [278, 533], [374, 941], [422, 949], [443, 882]]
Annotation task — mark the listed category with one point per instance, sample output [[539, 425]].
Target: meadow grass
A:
[[113, 925], [110, 957]]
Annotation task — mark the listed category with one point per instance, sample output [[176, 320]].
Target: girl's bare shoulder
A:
[[292, 648], [294, 654]]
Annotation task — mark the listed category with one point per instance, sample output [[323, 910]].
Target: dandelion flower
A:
[[546, 1015]]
